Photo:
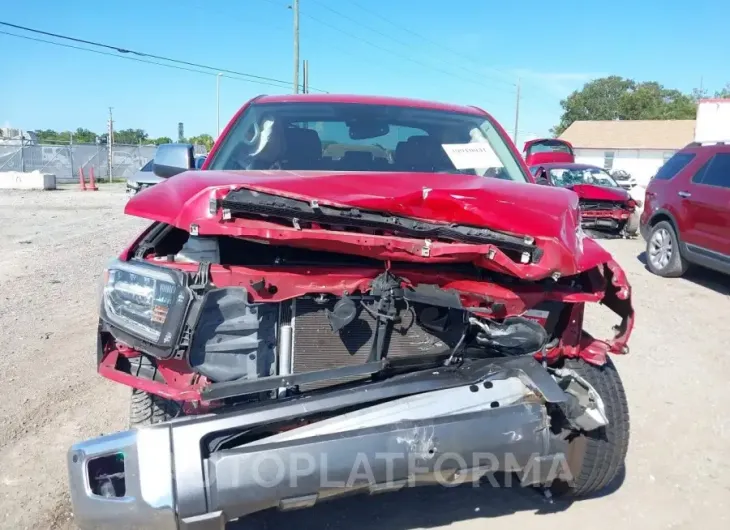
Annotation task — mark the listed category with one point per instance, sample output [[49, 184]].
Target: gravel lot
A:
[[53, 246]]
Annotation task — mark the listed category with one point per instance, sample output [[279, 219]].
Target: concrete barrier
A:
[[15, 180]]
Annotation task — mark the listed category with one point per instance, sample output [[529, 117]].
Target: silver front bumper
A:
[[448, 435], [148, 501]]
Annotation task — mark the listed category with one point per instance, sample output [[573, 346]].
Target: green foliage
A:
[[203, 139], [724, 93], [79, 136], [130, 137], [617, 98], [124, 136]]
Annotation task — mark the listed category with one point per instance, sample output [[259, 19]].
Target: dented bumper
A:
[[447, 427]]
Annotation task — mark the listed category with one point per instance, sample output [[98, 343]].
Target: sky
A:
[[467, 51]]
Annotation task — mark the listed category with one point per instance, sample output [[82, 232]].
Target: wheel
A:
[[663, 256], [632, 226], [596, 457], [148, 409]]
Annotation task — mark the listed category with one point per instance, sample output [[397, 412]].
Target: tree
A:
[[124, 136], [203, 139], [703, 93], [130, 136], [724, 93], [616, 98], [84, 136]]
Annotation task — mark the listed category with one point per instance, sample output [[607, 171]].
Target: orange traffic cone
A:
[[92, 182], [82, 182]]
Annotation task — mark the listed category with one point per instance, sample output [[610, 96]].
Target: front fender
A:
[[617, 298]]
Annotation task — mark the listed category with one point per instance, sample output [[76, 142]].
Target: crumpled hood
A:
[[547, 214], [599, 193]]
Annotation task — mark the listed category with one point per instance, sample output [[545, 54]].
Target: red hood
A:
[[600, 193], [547, 214]]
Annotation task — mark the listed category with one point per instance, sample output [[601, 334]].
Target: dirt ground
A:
[[53, 246]]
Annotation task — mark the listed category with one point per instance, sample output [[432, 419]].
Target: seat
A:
[[422, 153], [303, 149], [357, 161]]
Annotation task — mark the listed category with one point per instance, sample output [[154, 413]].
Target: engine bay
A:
[[238, 317]]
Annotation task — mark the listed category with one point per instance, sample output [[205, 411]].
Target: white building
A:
[[639, 147]]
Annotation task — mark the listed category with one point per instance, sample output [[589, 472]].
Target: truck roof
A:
[[370, 100]]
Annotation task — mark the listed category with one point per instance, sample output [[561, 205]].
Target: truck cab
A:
[[548, 151]]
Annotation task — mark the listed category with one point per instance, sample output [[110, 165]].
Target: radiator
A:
[[316, 347]]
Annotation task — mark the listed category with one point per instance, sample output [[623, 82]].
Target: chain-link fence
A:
[[64, 161]]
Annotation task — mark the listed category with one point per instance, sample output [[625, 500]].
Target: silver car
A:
[[142, 179], [145, 177]]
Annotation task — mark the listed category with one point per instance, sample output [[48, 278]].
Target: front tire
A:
[[632, 226], [663, 256], [149, 409], [597, 457]]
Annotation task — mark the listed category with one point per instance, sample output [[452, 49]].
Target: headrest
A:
[[302, 142], [359, 156], [423, 153], [424, 142]]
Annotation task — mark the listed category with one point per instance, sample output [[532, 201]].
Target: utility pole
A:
[[517, 111], [305, 77], [295, 8], [71, 153], [110, 144], [22, 151]]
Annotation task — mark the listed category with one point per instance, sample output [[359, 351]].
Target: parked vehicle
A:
[[605, 206], [686, 218], [145, 177], [142, 179], [548, 150], [287, 303], [624, 179]]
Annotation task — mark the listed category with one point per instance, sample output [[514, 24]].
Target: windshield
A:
[[361, 137], [589, 175], [549, 146]]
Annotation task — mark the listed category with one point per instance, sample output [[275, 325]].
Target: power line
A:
[[99, 52], [403, 43], [377, 46], [242, 75], [430, 41]]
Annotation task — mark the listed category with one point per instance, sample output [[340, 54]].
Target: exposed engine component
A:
[[344, 312], [236, 340], [513, 336]]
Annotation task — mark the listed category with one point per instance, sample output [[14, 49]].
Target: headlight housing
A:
[[146, 301]]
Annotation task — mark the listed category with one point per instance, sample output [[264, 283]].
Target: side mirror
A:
[[171, 159], [542, 180], [199, 161]]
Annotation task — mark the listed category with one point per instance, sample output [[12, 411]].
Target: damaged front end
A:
[[269, 294], [303, 339], [606, 216]]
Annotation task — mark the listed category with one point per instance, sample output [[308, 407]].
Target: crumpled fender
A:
[[617, 297]]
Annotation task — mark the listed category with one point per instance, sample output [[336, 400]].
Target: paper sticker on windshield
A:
[[470, 156]]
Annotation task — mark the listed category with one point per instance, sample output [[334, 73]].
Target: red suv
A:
[[686, 216]]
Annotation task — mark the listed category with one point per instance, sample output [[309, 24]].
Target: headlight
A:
[[146, 301]]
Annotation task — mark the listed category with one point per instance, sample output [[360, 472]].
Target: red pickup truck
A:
[[350, 281]]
